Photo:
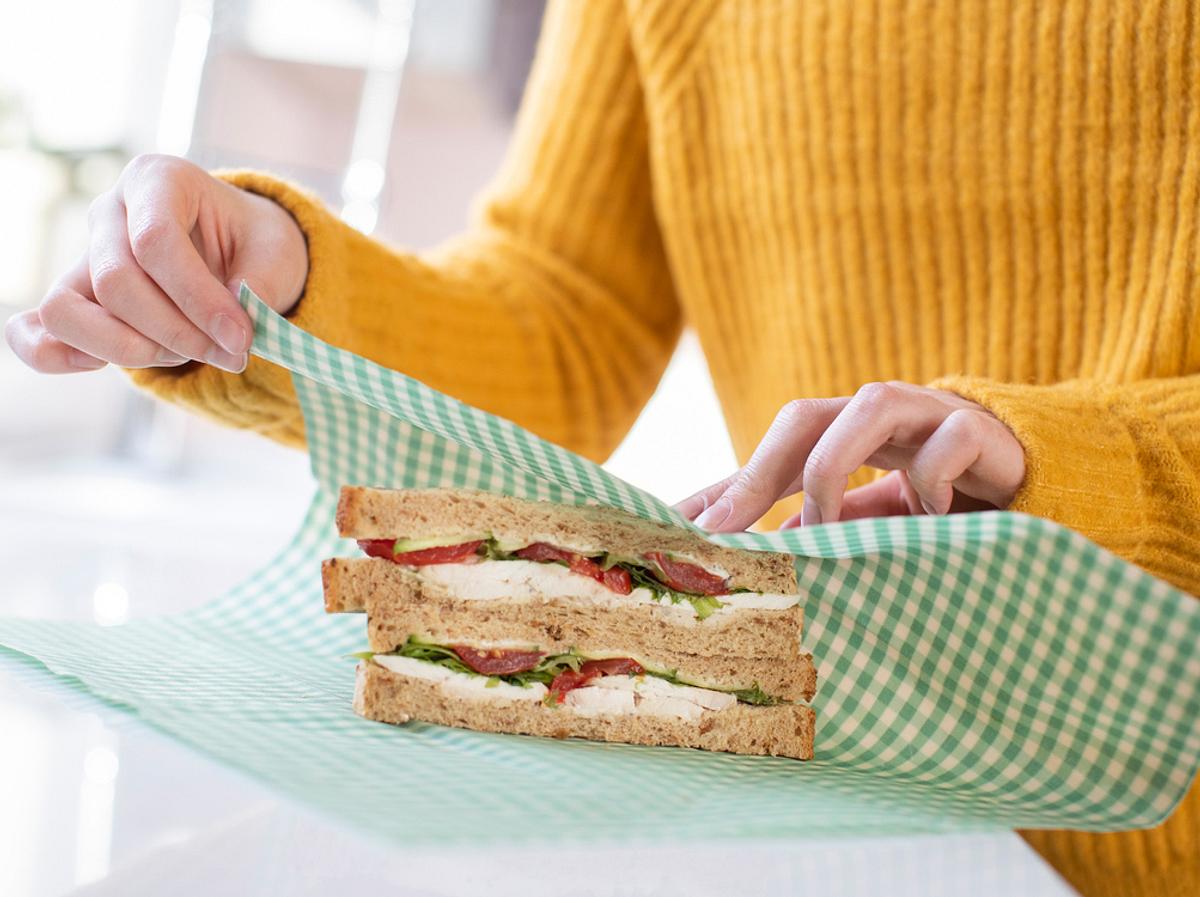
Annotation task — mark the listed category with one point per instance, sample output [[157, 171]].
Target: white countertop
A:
[[92, 801]]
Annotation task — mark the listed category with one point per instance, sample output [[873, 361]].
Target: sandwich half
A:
[[498, 614]]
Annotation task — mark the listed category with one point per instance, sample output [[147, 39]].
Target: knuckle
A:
[[184, 339], [55, 309], [877, 396], [159, 169], [107, 281], [31, 344], [133, 351], [966, 424], [747, 487], [818, 467], [11, 329], [144, 163], [922, 477], [790, 409], [792, 413], [40, 353], [97, 208], [148, 235]]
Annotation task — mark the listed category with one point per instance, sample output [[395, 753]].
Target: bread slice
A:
[[726, 651], [784, 730], [366, 513]]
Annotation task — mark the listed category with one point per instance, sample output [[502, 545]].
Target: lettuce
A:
[[544, 672], [705, 605], [642, 578], [547, 668], [755, 695]]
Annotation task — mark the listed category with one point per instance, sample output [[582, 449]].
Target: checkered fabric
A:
[[977, 671]]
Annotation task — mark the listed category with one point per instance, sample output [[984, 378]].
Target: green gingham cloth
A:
[[977, 672]]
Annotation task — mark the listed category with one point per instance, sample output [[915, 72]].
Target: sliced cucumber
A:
[[404, 546]]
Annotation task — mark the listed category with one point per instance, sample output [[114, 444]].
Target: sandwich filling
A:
[[492, 571], [588, 685]]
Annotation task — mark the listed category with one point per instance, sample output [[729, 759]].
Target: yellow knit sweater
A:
[[1001, 199]]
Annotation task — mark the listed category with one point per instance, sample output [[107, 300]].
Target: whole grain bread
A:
[[785, 730], [366, 513], [750, 647]]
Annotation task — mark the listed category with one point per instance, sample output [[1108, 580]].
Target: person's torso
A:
[[858, 191], [853, 191]]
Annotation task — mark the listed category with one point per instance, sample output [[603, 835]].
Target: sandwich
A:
[[503, 615]]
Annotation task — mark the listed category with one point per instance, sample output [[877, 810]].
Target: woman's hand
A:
[[168, 246], [946, 453]]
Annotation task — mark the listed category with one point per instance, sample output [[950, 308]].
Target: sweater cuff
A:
[[325, 237], [262, 397], [1081, 458]]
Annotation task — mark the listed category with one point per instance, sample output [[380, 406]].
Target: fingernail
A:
[[929, 509], [235, 364], [83, 361], [810, 514], [166, 356], [229, 335], [716, 515]]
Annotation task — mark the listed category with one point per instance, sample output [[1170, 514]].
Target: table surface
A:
[[92, 801]]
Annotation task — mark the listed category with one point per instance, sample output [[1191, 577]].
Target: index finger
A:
[[775, 469], [160, 215], [697, 503]]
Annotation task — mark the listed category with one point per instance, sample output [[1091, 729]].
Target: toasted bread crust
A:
[[752, 647], [785, 730], [365, 513]]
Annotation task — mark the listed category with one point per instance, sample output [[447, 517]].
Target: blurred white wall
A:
[[274, 84]]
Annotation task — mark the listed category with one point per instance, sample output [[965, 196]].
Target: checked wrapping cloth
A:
[[981, 671]]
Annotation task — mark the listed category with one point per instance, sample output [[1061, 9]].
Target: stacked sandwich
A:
[[502, 615]]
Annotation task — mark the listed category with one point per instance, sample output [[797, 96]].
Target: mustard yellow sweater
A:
[[1000, 199]]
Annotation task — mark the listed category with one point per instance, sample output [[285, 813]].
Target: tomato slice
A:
[[497, 661], [568, 680], [544, 551], [377, 548], [443, 554], [615, 579], [612, 666], [565, 682], [685, 577]]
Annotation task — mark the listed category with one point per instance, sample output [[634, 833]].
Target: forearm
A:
[[500, 324], [555, 309]]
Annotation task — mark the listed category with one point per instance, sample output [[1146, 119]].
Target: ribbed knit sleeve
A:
[[1120, 463], [554, 310]]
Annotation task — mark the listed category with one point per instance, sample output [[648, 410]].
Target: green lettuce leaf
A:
[[547, 668], [755, 695]]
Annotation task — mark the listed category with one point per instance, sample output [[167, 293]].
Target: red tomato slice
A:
[[565, 681], [685, 577], [377, 548], [587, 567], [614, 579], [543, 551], [443, 554], [618, 580], [497, 661], [612, 666]]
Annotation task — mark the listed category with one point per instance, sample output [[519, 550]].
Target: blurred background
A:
[[114, 507]]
